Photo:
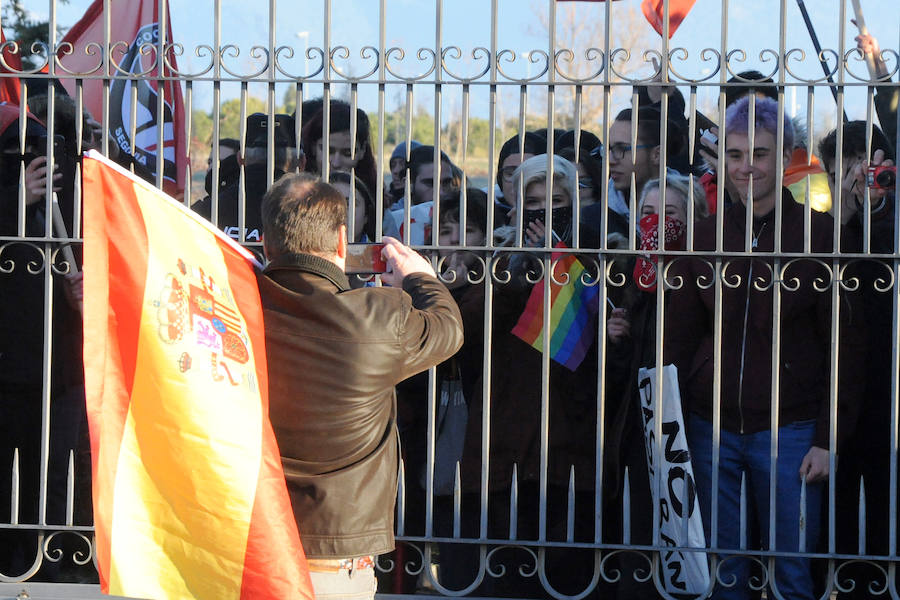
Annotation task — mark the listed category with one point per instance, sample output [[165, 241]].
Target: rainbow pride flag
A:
[[189, 494], [573, 313]]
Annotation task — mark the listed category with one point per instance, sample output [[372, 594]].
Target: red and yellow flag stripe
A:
[[795, 179], [189, 496]]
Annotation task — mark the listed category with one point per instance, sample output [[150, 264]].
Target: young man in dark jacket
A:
[[774, 309], [334, 356]]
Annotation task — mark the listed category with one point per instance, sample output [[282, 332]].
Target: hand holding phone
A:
[[36, 173], [402, 261]]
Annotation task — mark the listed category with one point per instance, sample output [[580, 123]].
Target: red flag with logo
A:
[[655, 12], [9, 86], [135, 42]]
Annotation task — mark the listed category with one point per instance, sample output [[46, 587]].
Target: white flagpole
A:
[[863, 30]]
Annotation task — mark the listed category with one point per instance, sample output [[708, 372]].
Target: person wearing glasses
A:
[[631, 165]]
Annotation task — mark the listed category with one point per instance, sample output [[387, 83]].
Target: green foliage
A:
[[201, 127], [394, 127], [422, 129], [396, 123], [422, 126], [288, 101], [230, 115], [477, 138]]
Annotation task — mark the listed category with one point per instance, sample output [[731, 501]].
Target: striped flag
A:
[[795, 180], [189, 495], [573, 313]]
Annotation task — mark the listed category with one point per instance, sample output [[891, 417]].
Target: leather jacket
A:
[[334, 355], [804, 341]]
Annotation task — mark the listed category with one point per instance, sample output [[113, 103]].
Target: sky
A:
[[752, 26]]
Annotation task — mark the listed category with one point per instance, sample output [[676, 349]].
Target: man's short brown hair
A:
[[301, 214]]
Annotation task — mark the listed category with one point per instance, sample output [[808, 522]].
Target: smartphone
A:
[[709, 136], [365, 259], [58, 144]]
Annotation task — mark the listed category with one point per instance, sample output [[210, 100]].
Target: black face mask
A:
[[562, 219]]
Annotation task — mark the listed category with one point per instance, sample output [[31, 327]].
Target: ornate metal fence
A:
[[552, 493]]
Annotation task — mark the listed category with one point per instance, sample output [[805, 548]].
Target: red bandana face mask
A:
[[645, 267]]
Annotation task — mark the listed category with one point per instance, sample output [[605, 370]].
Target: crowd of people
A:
[[564, 196], [654, 223]]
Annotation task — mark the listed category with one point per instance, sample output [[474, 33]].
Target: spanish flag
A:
[[189, 495]]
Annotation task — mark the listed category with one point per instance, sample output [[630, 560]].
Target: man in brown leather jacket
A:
[[334, 356]]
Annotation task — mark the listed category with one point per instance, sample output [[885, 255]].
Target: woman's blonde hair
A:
[[535, 169], [682, 185]]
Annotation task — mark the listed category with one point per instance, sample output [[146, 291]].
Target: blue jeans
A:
[[750, 454]]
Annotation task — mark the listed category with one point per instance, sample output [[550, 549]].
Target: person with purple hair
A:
[[747, 342]]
